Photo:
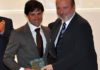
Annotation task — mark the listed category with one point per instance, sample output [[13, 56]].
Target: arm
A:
[[12, 49], [10, 52]]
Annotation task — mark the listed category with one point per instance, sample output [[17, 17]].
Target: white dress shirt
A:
[[67, 23], [32, 29]]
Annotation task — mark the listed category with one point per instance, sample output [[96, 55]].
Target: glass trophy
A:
[[37, 64]]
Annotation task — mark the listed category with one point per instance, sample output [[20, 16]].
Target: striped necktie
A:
[[61, 34]]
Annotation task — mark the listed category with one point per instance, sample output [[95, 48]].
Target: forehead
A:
[[36, 11], [63, 2]]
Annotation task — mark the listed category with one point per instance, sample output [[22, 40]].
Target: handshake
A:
[[39, 64]]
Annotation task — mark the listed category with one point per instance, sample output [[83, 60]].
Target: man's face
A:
[[35, 17], [64, 8]]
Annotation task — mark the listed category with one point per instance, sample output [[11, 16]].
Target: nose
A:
[[36, 16], [61, 11]]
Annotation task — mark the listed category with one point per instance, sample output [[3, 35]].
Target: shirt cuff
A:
[[21, 68]]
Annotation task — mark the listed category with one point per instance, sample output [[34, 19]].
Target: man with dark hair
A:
[[72, 46], [28, 42], [6, 27]]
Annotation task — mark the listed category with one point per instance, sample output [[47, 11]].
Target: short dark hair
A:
[[32, 5], [73, 3]]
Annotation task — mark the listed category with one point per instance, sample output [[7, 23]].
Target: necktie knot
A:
[[37, 30], [63, 27], [62, 30]]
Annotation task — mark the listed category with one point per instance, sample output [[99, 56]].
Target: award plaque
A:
[[37, 64]]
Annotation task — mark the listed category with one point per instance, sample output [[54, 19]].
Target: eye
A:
[[32, 14], [65, 7], [39, 13]]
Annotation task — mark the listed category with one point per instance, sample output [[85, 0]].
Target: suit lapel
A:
[[55, 30], [28, 34], [54, 34], [46, 32], [72, 22], [71, 25], [30, 40]]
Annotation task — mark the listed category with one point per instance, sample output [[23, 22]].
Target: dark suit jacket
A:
[[4, 39], [23, 45], [76, 51]]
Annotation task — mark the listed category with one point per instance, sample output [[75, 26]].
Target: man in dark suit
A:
[[5, 29], [72, 46], [23, 41]]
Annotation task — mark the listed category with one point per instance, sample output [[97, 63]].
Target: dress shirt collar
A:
[[68, 21], [32, 27]]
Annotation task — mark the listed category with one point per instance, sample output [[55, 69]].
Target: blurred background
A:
[[89, 9]]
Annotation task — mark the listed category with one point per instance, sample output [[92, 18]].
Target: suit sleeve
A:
[[10, 52]]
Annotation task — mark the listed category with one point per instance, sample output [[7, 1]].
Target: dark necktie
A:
[[39, 42], [61, 34]]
